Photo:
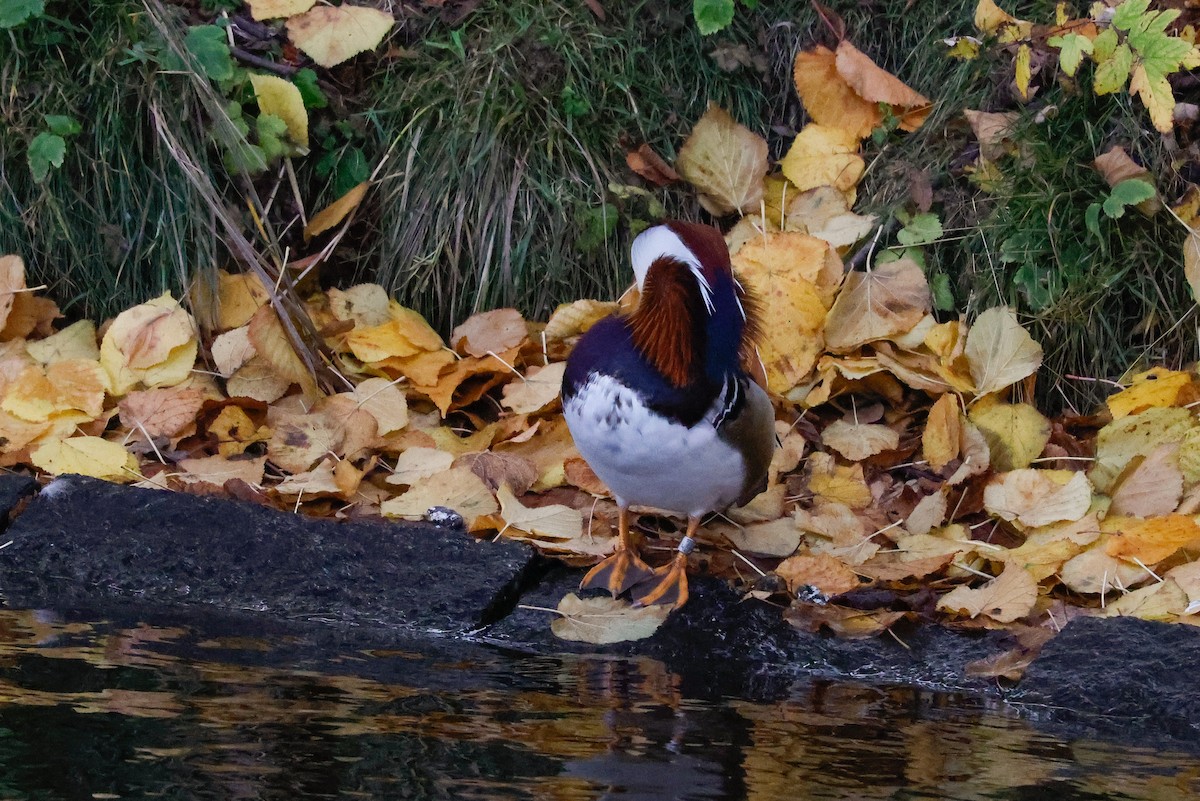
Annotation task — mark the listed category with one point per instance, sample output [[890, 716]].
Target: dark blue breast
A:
[[608, 348]]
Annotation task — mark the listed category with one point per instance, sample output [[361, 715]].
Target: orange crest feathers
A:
[[667, 324]]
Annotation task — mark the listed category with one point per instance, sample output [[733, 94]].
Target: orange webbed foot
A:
[[668, 585], [618, 573]]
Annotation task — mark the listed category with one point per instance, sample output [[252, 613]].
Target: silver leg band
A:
[[687, 545]]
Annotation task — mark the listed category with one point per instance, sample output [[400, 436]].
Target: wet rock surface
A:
[[81, 543]]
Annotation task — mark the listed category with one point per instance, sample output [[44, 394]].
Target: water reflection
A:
[[119, 710]]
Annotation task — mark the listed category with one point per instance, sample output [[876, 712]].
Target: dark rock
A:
[[81, 540], [14, 489], [1119, 675]]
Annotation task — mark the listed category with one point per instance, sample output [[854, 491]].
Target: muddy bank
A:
[[85, 543]]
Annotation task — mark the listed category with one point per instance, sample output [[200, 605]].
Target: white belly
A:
[[646, 460]]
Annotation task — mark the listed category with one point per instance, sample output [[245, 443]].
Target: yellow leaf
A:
[[318, 482], [725, 161], [540, 387], [1135, 435], [1153, 539], [272, 9], [405, 334], [1000, 351], [1016, 433], [417, 463], [834, 528], [1006, 598], [828, 98], [990, 18], [273, 346], [333, 34], [336, 211], [153, 344], [1023, 70], [457, 488], [573, 319], [86, 456], [239, 297], [76, 341], [841, 483], [823, 156], [939, 441], [885, 302], [1038, 497], [1191, 263], [382, 400], [1153, 388], [282, 99], [1156, 95], [604, 620], [791, 275]]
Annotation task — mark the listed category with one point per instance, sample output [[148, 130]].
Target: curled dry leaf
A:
[[1000, 351], [993, 130], [502, 469], [828, 98], [876, 85], [1006, 598], [604, 620], [271, 344], [238, 298], [337, 211], [929, 513], [943, 430], [152, 344], [726, 161]]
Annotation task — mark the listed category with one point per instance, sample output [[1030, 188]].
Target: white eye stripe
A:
[[658, 241]]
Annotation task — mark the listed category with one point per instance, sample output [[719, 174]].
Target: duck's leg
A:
[[669, 585], [624, 568]]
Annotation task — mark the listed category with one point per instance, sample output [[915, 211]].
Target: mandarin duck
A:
[[660, 407]]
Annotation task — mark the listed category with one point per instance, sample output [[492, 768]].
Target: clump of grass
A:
[[117, 223]]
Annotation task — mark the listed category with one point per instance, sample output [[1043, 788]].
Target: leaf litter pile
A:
[[911, 482]]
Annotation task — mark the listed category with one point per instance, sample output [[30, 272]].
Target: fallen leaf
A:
[[272, 345], [76, 341], [457, 488], [604, 620], [554, 521], [876, 85], [489, 332], [828, 98], [337, 211], [366, 305], [12, 283], [769, 538], [272, 9], [1006, 598], [333, 34], [418, 463], [219, 469], [885, 302], [1038, 497], [282, 99], [382, 400], [1016, 433], [152, 344], [540, 387], [928, 514], [1163, 600], [648, 164], [161, 412], [1095, 572], [943, 430], [994, 131], [1153, 539], [1000, 351], [1149, 486], [725, 161], [858, 441], [1154, 388], [821, 571], [850, 624], [839, 483], [823, 156], [573, 319], [1135, 435], [239, 296], [86, 456]]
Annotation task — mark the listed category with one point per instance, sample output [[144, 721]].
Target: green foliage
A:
[[46, 151], [712, 15], [306, 81], [1129, 192], [208, 46], [18, 12]]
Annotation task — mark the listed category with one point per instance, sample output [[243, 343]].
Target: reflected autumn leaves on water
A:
[[132, 710]]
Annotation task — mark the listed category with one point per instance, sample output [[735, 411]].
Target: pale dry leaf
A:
[[367, 305], [231, 350], [858, 441], [161, 412], [770, 538], [993, 130], [1038, 497], [76, 341], [604, 620], [554, 521], [1095, 572], [418, 463], [822, 571], [238, 298], [489, 332], [1149, 486], [725, 161], [540, 387], [12, 283], [976, 458], [384, 401], [271, 344], [153, 344], [1000, 351], [337, 211], [1164, 600], [943, 431], [499, 469], [929, 513], [319, 482], [299, 441], [333, 34], [219, 469], [273, 9], [1136, 435], [257, 380], [880, 304], [1008, 597]]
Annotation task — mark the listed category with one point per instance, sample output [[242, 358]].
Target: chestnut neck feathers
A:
[[694, 321]]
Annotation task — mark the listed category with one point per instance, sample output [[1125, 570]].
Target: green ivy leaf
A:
[[45, 151], [310, 92], [1072, 48], [1129, 192], [1113, 73], [208, 46], [62, 125], [712, 15], [18, 12]]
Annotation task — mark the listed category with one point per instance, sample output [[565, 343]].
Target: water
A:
[[205, 709]]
